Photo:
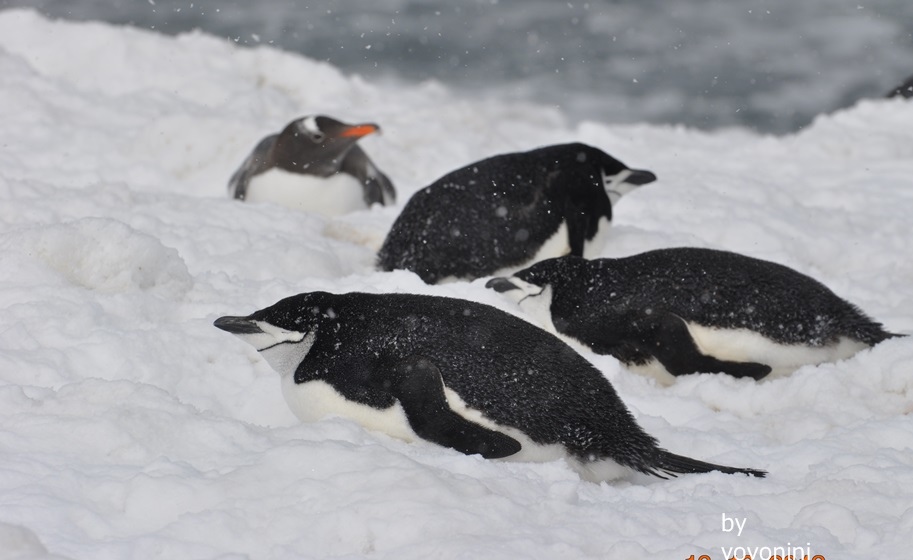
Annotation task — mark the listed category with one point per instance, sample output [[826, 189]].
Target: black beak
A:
[[500, 285], [237, 325], [640, 177]]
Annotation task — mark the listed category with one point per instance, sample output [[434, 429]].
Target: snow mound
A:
[[105, 255], [18, 543]]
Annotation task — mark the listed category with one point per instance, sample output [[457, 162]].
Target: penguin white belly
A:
[[555, 246], [743, 345], [592, 248], [331, 196], [318, 399]]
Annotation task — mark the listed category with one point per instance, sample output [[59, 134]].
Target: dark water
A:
[[771, 66]]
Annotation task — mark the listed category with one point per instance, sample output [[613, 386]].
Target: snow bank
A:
[[132, 428]]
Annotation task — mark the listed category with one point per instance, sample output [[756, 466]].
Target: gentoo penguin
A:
[[313, 165], [457, 373], [903, 90], [506, 212], [686, 310]]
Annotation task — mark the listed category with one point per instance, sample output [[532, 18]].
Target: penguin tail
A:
[[673, 465], [877, 335]]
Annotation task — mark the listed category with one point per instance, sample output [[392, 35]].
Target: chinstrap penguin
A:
[[672, 312], [460, 374], [506, 212], [313, 164]]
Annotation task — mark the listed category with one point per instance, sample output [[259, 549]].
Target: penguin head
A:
[[582, 167], [617, 178], [283, 333], [530, 281], [534, 288], [316, 144]]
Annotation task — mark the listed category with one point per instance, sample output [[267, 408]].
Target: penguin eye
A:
[[317, 136]]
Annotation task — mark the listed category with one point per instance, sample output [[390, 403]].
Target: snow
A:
[[130, 427]]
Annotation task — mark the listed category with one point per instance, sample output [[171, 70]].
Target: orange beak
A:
[[359, 130]]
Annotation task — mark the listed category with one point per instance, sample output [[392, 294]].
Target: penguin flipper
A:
[[583, 224], [377, 186], [677, 351], [576, 232], [418, 385], [237, 185], [379, 189], [254, 164]]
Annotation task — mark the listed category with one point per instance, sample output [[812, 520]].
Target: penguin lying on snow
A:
[[457, 373], [508, 211], [687, 310], [313, 165]]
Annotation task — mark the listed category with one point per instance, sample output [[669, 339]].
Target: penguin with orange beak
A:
[[313, 165]]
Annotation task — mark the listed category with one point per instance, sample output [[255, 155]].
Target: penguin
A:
[[460, 374], [904, 90], [503, 213], [673, 312], [313, 164]]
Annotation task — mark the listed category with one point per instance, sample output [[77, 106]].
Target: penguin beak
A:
[[260, 334], [516, 289], [625, 181], [501, 285], [640, 177], [359, 130], [238, 325]]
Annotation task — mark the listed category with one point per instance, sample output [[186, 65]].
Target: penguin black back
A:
[[500, 212], [380, 350]]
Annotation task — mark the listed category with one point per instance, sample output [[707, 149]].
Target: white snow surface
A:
[[130, 427]]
